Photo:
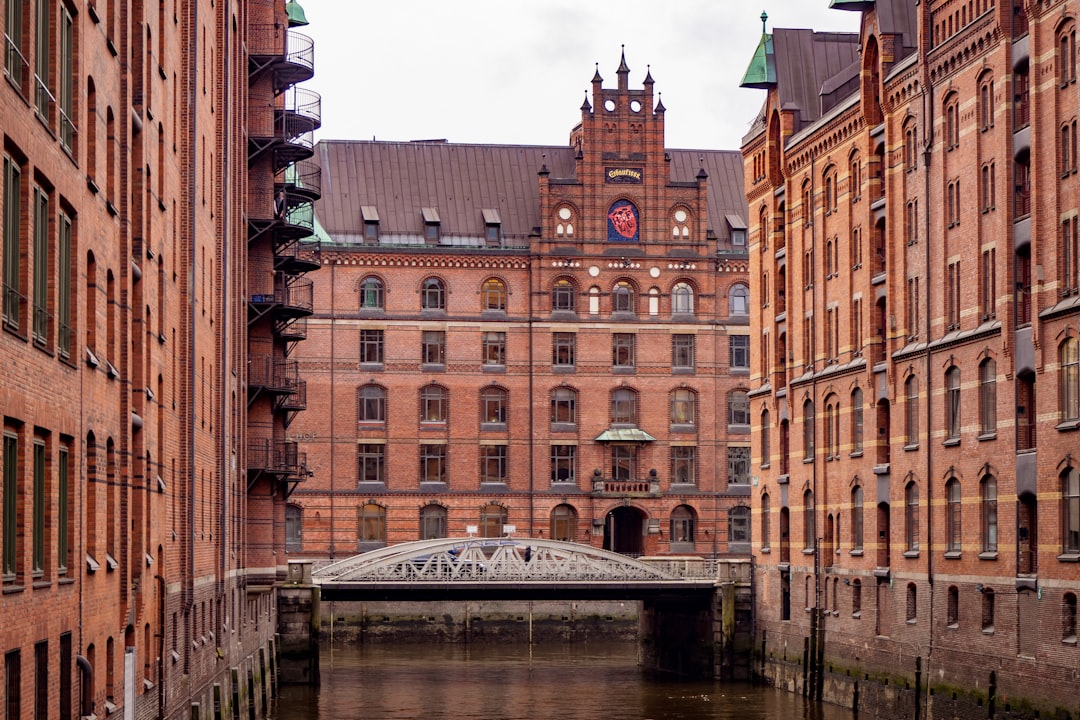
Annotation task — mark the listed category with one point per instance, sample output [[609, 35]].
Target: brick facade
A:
[[912, 248], [126, 518], [530, 299]]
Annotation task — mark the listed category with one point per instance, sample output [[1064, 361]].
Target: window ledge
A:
[[1069, 557], [855, 553], [988, 630], [493, 368], [11, 589], [952, 626], [433, 367], [911, 621], [857, 615], [952, 555], [951, 442], [911, 446], [911, 553], [987, 436], [1071, 640], [765, 550], [808, 551], [565, 369], [624, 370], [988, 555], [682, 371], [807, 460], [856, 453], [1067, 425]]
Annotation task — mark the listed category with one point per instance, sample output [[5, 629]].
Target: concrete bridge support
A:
[[298, 626]]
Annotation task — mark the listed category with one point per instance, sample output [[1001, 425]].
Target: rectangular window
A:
[[988, 283], [41, 266], [563, 346], [622, 350], [494, 348], [12, 682], [622, 462], [15, 62], [43, 96], [832, 334], [682, 352], [683, 460], [371, 346], [738, 465], [13, 299], [41, 680], [952, 296], [65, 676], [433, 351], [493, 463], [66, 89], [11, 508], [740, 351], [38, 519], [63, 510], [65, 332], [371, 463], [432, 463], [1070, 256], [856, 327], [563, 463]]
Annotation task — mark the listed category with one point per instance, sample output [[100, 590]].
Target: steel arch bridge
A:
[[507, 568]]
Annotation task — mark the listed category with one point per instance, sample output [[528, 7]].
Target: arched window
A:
[[680, 224], [952, 516], [739, 524], [624, 407], [564, 405], [492, 518], [563, 296], [1069, 395], [371, 404], [857, 518], [433, 294], [854, 177], [808, 429], [493, 295], [739, 300], [766, 445], [683, 407], [371, 294], [372, 523], [832, 428], [809, 521], [911, 516], [986, 103], [1070, 511], [911, 417], [952, 123], [952, 403], [682, 524], [432, 522], [682, 299], [988, 514], [564, 523], [493, 405], [987, 397], [622, 297], [434, 404]]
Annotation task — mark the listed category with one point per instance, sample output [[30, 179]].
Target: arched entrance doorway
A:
[[624, 530]]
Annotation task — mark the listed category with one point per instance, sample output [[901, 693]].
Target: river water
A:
[[519, 682]]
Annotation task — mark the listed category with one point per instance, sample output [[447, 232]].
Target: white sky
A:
[[516, 71]]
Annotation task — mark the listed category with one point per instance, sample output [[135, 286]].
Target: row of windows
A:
[[987, 547], [371, 524], [624, 464], [493, 347], [434, 406], [564, 297]]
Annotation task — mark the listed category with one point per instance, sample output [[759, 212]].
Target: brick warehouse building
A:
[[149, 280], [915, 403], [554, 338]]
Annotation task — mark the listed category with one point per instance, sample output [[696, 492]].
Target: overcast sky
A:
[[516, 71]]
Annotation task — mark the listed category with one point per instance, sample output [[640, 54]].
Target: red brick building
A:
[[552, 338], [913, 199], [142, 149]]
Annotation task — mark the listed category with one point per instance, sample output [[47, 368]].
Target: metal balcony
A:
[[289, 405], [291, 330], [273, 375], [301, 182], [292, 298], [281, 460], [297, 256], [288, 54], [302, 112]]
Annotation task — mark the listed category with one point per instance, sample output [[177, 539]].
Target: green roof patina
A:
[[857, 5], [297, 18], [761, 73], [624, 435]]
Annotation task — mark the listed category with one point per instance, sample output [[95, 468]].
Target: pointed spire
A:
[[701, 174], [761, 73], [764, 19], [623, 67], [586, 106], [543, 166], [596, 77], [648, 75], [660, 103]]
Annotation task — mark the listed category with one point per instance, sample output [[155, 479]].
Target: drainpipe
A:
[[333, 392], [87, 685], [193, 103], [817, 628], [161, 649], [225, 406], [532, 414]]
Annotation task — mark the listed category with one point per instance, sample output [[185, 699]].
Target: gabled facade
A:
[[914, 393], [549, 338]]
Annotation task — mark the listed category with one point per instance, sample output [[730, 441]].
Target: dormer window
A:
[[370, 215], [738, 230], [432, 225], [492, 227]]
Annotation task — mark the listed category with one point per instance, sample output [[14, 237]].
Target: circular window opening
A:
[[635, 106], [564, 213], [609, 105]]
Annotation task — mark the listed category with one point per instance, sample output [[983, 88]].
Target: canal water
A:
[[519, 682]]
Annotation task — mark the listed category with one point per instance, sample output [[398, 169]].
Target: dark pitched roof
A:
[[461, 181], [805, 60]]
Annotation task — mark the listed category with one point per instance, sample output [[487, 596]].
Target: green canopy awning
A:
[[624, 435]]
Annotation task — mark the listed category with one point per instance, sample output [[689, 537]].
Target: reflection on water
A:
[[511, 682]]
